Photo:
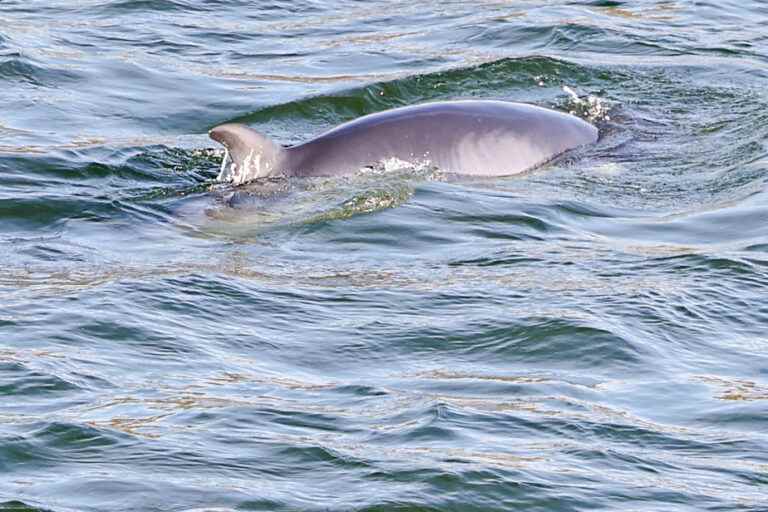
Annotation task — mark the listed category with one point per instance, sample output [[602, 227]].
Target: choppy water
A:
[[588, 336]]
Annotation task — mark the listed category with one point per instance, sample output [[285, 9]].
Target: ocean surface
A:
[[591, 335]]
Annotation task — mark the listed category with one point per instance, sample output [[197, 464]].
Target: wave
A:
[[17, 67]]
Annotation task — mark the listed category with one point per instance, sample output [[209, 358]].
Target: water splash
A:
[[592, 108]]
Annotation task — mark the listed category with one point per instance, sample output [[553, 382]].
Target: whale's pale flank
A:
[[476, 137]]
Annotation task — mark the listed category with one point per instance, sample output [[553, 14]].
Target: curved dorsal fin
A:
[[249, 154]]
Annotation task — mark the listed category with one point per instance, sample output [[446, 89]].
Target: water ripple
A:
[[580, 337]]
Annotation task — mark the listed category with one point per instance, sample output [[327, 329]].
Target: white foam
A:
[[222, 172], [252, 167], [592, 108]]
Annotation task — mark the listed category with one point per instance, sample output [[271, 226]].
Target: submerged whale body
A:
[[475, 137]]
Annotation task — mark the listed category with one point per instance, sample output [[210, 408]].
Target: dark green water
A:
[[588, 336]]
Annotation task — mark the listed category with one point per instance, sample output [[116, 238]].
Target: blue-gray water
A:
[[588, 336]]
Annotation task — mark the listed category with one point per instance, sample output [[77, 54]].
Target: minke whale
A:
[[474, 137]]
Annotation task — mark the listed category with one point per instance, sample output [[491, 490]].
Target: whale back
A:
[[471, 137], [249, 154], [475, 137]]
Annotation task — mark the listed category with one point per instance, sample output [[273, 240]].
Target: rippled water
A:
[[588, 336]]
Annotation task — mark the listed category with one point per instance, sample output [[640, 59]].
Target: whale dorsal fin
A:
[[249, 154]]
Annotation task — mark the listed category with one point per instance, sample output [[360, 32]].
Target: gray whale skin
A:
[[475, 137]]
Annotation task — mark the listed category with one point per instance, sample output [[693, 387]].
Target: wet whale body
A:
[[474, 137]]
